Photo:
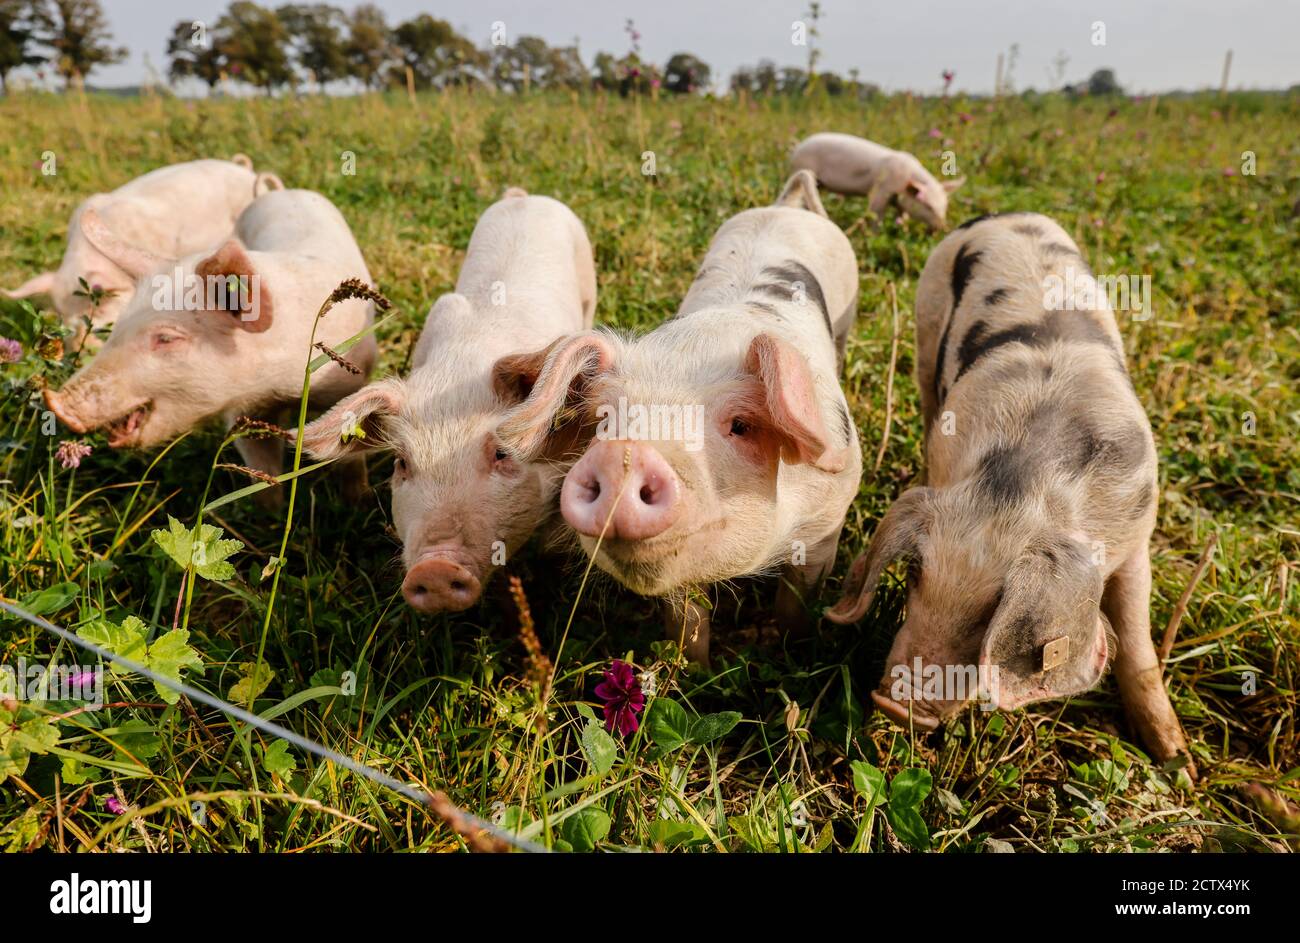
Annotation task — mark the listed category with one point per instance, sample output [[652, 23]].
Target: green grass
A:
[[450, 702]]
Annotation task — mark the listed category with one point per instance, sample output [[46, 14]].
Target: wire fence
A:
[[478, 833]]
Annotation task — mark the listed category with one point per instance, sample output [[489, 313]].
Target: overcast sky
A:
[[1153, 45]]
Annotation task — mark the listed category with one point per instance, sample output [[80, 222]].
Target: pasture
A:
[[462, 703]]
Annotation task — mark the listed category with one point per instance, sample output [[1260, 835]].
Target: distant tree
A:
[[255, 45], [742, 80], [368, 48], [316, 38], [544, 66], [17, 38], [793, 81], [605, 72], [193, 55], [78, 34], [765, 77], [1103, 82], [686, 73], [833, 84], [437, 55]]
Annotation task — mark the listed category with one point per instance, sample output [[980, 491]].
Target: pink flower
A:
[[948, 75], [10, 350], [1230, 171], [654, 83], [114, 806], [936, 133], [966, 118], [70, 453], [623, 698], [1101, 176]]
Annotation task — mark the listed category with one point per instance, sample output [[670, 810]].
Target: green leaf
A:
[[909, 788], [77, 773], [136, 740], [248, 687], [670, 834], [277, 759], [584, 709], [207, 553], [166, 656], [20, 738], [583, 829], [869, 782], [667, 723], [600, 748], [712, 726], [51, 599], [909, 826]]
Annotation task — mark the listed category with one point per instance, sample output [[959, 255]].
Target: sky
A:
[[1153, 45]]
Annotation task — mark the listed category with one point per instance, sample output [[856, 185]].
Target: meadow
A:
[[775, 747]]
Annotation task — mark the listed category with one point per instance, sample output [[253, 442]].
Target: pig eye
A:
[[501, 455], [400, 470], [164, 339], [739, 427]]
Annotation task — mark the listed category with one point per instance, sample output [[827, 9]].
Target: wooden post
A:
[[1227, 67]]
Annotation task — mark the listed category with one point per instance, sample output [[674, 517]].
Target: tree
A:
[[368, 48], [78, 34], [686, 73], [192, 54], [316, 37], [544, 66], [436, 54], [254, 44], [17, 35], [1103, 82]]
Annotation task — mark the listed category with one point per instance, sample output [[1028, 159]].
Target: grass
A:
[[459, 703]]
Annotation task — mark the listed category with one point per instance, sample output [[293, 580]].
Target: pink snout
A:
[[65, 416], [438, 583], [623, 489]]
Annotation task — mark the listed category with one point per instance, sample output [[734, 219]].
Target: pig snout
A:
[[60, 409], [440, 583], [621, 489], [914, 712]]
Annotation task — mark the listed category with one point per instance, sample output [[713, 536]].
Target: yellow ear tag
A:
[[1056, 652]]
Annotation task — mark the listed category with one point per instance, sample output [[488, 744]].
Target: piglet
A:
[[225, 332], [721, 442], [462, 502], [170, 212], [1027, 548], [844, 163]]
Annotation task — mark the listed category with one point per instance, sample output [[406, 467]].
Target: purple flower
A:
[[623, 698], [70, 453], [114, 806], [936, 133], [10, 350]]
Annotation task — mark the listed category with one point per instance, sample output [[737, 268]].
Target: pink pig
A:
[[461, 500], [225, 332], [844, 163], [723, 445], [170, 212]]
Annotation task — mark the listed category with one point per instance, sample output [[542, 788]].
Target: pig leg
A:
[[879, 199], [800, 582], [1127, 604], [687, 623]]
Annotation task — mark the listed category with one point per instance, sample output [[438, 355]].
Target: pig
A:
[[170, 212], [185, 350], [1027, 547], [844, 163], [721, 444], [463, 502]]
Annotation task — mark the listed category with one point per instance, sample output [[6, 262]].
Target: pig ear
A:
[[898, 535], [232, 262], [133, 260], [42, 284], [355, 423], [916, 190], [800, 192], [791, 400], [951, 185], [1047, 637], [543, 383]]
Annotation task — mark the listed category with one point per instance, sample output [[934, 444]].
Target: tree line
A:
[[316, 44]]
